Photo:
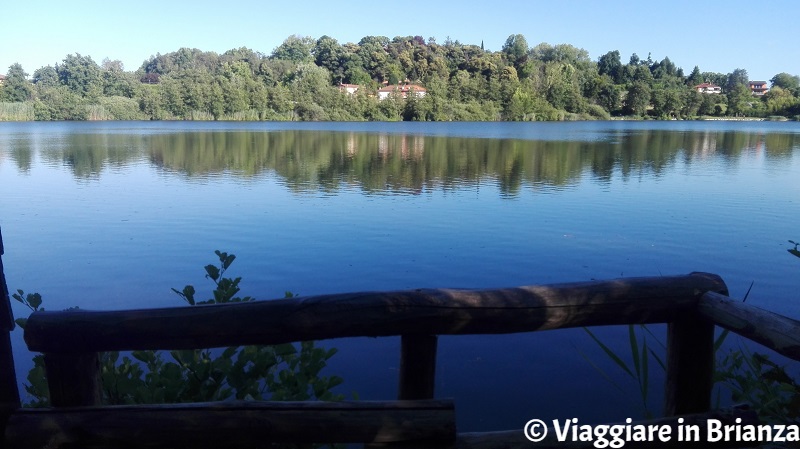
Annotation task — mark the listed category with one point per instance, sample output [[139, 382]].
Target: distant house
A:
[[402, 90], [2, 79], [708, 88], [349, 88], [758, 87]]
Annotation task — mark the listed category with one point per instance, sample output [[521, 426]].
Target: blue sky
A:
[[715, 35]]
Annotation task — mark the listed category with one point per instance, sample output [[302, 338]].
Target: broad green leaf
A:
[[35, 300], [228, 261], [212, 272]]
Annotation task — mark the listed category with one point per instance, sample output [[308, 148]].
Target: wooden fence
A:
[[691, 305]]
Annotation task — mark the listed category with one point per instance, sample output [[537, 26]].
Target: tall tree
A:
[[16, 88], [81, 75], [663, 69], [695, 77], [787, 82], [638, 98], [739, 97], [46, 77], [736, 78], [330, 55], [296, 49], [610, 64], [116, 82], [373, 56], [516, 50]]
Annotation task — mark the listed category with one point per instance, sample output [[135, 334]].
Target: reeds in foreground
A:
[[16, 112]]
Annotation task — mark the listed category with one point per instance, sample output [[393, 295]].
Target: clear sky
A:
[[718, 36]]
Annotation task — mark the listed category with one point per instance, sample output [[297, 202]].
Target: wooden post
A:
[[417, 367], [73, 379], [417, 379], [690, 365], [9, 393]]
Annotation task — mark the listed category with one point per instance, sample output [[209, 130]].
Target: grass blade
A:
[[645, 368], [658, 340], [720, 339], [658, 359], [635, 351], [600, 370], [748, 291], [610, 353]]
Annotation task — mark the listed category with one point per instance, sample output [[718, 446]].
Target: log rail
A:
[[691, 305]]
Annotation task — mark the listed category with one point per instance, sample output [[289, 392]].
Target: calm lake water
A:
[[112, 215]]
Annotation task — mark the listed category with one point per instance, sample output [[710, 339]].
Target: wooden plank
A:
[[6, 316], [9, 392], [776, 332], [690, 365], [422, 311], [515, 439], [73, 379], [234, 424], [417, 367]]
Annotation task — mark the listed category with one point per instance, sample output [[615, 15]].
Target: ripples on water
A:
[[111, 215]]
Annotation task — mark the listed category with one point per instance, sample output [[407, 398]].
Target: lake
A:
[[111, 215]]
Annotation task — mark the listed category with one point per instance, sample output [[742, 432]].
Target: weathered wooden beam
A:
[[422, 312], [6, 316], [73, 379], [233, 424], [417, 366], [9, 393], [776, 332], [690, 365], [515, 439]]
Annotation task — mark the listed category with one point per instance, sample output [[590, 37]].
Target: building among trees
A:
[[708, 88], [758, 87], [403, 90]]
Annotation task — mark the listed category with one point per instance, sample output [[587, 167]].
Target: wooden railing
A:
[[691, 305]]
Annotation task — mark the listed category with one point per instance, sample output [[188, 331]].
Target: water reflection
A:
[[327, 161]]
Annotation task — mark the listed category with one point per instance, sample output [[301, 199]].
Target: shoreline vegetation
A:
[[382, 79]]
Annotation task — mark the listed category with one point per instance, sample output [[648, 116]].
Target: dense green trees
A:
[[16, 87], [299, 81]]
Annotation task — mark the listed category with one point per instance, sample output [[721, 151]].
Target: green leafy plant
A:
[[280, 372], [753, 378]]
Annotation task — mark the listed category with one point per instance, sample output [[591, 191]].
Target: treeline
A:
[[300, 81]]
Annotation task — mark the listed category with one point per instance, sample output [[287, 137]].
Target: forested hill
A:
[[302, 80]]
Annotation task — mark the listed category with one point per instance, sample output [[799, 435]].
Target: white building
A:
[[403, 91]]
